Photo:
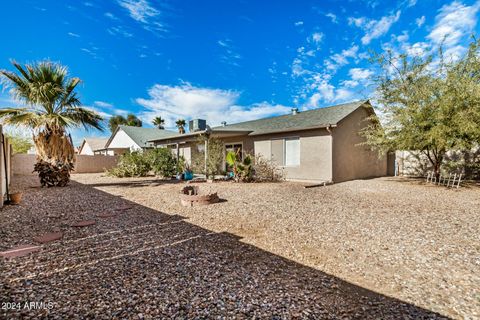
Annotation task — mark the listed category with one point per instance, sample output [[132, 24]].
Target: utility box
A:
[[197, 125]]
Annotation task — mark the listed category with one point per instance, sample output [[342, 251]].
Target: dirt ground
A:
[[406, 247]]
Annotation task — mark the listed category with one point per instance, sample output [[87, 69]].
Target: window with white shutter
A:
[[292, 152]]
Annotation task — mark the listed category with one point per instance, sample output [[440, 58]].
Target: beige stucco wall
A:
[[315, 154], [23, 163], [351, 161]]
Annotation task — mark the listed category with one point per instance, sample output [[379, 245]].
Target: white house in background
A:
[[128, 138], [92, 146]]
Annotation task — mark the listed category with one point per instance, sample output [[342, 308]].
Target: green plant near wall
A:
[[163, 162], [132, 164], [242, 169]]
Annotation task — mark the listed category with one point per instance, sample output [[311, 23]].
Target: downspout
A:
[[329, 130]]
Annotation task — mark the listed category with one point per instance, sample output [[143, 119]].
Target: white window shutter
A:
[[292, 152]]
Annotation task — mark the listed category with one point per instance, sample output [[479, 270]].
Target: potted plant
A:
[[187, 173], [16, 197]]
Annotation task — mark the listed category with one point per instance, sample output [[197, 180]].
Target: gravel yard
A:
[[380, 248]]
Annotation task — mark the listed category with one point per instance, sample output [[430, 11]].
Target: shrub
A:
[[267, 171], [242, 169], [163, 162], [131, 164], [215, 157]]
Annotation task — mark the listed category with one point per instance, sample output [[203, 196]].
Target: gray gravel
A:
[[379, 248]]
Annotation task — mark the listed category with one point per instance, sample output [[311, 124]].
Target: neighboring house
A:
[[92, 146], [314, 145], [128, 138]]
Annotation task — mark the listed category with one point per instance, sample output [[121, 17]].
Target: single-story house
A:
[[128, 138], [315, 145], [92, 146]]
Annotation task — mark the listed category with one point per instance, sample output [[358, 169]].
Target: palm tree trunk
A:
[[55, 158]]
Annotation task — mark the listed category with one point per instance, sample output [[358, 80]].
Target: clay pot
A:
[[16, 197]]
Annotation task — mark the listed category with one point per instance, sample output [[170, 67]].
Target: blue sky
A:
[[224, 60]]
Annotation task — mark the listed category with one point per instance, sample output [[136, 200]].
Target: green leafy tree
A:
[[429, 104], [180, 123], [51, 106], [159, 122], [20, 144], [130, 120]]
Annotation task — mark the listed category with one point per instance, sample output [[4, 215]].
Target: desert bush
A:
[[132, 164], [267, 171], [163, 162]]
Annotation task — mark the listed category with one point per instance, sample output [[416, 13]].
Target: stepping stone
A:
[[106, 214], [123, 208], [49, 237], [84, 223], [19, 251]]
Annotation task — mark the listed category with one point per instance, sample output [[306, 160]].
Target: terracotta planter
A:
[[16, 197]]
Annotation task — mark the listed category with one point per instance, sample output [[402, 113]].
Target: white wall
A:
[[86, 149], [122, 140]]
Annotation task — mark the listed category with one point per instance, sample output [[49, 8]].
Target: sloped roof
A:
[[142, 136], [320, 117], [304, 120], [94, 143]]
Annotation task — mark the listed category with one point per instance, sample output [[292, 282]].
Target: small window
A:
[[292, 152], [286, 152]]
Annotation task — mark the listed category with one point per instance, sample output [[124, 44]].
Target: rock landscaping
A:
[[382, 248]]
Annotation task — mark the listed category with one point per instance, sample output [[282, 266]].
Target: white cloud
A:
[[119, 30], [420, 21], [360, 74], [102, 104], [411, 3], [338, 60], [358, 22], [403, 37], [110, 15], [317, 37], [215, 105], [140, 10], [419, 49], [71, 34], [453, 22], [298, 23], [229, 54], [332, 17], [376, 28], [145, 13]]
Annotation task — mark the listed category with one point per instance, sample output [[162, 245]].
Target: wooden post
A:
[[206, 157], [459, 179]]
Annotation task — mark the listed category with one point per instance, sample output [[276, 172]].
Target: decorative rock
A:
[[106, 214], [84, 223], [19, 251], [49, 237]]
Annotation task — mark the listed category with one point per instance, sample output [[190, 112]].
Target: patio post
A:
[[206, 156], [178, 151]]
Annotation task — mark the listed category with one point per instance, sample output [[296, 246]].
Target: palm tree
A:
[[181, 125], [159, 122], [51, 106], [117, 120], [133, 121]]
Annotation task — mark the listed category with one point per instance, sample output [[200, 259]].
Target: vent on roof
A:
[[294, 110], [224, 123], [197, 125]]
